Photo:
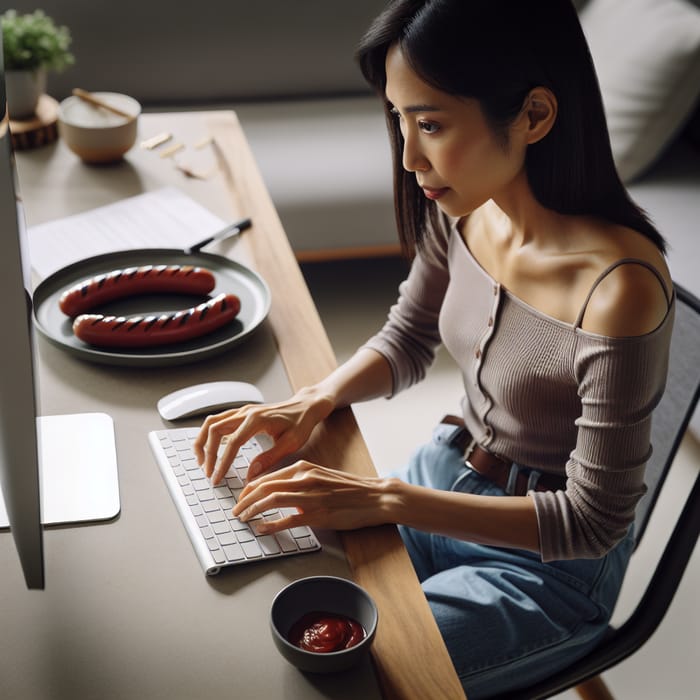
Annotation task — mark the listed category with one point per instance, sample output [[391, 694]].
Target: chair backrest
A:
[[674, 412]]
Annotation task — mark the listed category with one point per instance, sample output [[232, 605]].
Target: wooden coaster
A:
[[39, 129]]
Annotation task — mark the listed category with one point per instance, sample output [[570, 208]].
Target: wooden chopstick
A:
[[97, 102]]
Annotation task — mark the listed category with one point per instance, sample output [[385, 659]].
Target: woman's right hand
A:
[[289, 423]]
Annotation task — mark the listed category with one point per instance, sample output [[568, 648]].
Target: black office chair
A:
[[670, 421]]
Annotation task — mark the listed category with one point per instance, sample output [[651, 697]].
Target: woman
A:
[[549, 288]]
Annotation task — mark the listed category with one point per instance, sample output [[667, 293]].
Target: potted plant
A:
[[32, 45]]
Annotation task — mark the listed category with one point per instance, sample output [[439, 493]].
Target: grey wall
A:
[[211, 50]]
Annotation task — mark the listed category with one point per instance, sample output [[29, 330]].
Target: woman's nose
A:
[[413, 158]]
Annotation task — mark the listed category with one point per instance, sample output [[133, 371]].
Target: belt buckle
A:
[[468, 453]]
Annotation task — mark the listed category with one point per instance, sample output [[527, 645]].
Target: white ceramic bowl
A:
[[334, 596], [95, 134]]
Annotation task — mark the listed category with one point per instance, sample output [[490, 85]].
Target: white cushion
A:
[[647, 55]]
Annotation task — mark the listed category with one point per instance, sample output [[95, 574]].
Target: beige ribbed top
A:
[[538, 391]]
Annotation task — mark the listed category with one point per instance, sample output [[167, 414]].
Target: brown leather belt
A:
[[500, 471]]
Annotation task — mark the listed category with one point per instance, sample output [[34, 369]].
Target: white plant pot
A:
[[24, 88]]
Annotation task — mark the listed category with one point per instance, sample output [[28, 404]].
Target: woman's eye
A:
[[428, 127]]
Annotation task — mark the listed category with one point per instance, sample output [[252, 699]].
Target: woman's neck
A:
[[519, 219]]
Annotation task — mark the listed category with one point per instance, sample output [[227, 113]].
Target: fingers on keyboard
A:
[[227, 539]]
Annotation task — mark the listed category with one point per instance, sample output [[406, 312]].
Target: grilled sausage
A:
[[131, 281], [149, 331]]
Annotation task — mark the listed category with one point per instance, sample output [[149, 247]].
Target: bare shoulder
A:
[[633, 297]]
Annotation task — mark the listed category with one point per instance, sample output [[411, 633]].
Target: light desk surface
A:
[[128, 611]]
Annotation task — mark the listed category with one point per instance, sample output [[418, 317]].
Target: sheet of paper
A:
[[165, 218]]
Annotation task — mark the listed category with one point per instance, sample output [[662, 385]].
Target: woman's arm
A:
[[366, 375], [491, 520], [330, 499]]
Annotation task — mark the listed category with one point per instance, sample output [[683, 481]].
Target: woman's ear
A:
[[540, 108]]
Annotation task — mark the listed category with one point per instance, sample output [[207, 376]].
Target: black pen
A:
[[230, 230]]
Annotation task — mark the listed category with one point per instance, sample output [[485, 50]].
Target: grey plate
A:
[[231, 278]]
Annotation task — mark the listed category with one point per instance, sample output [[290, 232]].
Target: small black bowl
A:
[[331, 594]]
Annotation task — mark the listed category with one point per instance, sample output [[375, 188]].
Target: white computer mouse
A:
[[209, 397]]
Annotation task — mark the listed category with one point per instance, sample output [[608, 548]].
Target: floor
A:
[[353, 298]]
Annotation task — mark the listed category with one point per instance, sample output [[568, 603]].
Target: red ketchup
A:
[[323, 632]]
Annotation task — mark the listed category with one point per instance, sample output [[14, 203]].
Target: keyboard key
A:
[[227, 538], [221, 528], [219, 556], [268, 544], [234, 482], [245, 535], [298, 532], [236, 524], [286, 541], [251, 549], [234, 552], [216, 517]]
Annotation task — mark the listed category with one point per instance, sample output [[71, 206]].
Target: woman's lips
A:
[[432, 193]]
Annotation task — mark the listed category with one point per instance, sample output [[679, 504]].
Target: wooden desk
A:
[[147, 619]]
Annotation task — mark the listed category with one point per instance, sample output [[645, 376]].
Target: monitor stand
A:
[[78, 469]]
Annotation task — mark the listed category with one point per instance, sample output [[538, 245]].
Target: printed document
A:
[[165, 218]]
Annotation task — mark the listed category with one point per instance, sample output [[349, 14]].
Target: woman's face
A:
[[458, 161]]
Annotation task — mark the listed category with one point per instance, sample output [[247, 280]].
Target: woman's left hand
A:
[[323, 498]]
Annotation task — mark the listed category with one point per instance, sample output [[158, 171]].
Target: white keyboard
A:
[[218, 537]]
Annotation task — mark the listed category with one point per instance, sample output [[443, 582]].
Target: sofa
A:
[[319, 134]]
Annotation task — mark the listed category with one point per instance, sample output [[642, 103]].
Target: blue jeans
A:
[[507, 618]]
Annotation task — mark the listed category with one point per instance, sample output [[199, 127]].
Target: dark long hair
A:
[[496, 51]]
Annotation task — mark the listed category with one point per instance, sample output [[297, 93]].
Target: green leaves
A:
[[33, 41]]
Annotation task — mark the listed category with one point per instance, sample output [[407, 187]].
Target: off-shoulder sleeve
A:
[[410, 336], [620, 381]]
